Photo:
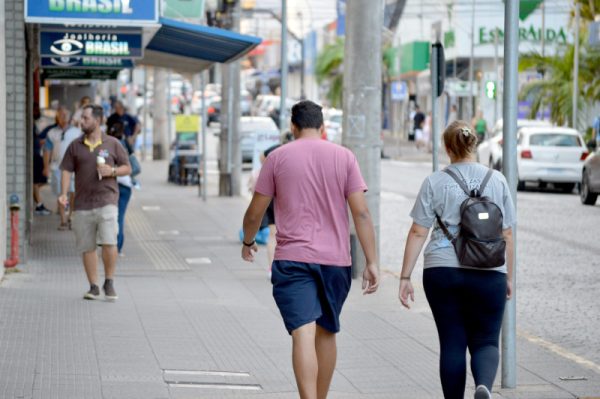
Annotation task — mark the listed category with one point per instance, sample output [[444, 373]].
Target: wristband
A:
[[404, 278], [249, 244]]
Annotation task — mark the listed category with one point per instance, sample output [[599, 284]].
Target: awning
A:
[[191, 48]]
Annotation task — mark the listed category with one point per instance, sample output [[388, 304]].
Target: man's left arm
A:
[[254, 214]]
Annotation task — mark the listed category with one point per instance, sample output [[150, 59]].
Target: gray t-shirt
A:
[[441, 195]]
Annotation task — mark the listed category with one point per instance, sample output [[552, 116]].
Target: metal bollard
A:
[[13, 260]]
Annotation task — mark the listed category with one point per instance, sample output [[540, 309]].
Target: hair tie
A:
[[465, 131]]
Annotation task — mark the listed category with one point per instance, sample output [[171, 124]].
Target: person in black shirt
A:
[[131, 126]]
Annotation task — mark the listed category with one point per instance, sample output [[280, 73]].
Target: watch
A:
[[114, 172]]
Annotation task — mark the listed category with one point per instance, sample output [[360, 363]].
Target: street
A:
[[558, 253]]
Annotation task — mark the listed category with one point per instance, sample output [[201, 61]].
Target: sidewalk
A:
[[192, 312]]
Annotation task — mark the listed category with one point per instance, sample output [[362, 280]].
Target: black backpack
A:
[[480, 242]]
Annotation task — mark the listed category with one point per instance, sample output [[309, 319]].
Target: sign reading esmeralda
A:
[[87, 62], [76, 42], [93, 12]]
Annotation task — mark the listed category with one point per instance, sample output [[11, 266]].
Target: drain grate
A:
[[209, 379]]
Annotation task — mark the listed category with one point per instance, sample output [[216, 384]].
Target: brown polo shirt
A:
[[80, 158]]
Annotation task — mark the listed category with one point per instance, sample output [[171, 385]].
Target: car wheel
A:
[[587, 197], [521, 185]]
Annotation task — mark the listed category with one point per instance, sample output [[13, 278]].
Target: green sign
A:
[[490, 89], [526, 34], [183, 9], [415, 57], [528, 7]]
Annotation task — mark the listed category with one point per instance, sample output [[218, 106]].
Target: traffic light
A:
[[490, 89]]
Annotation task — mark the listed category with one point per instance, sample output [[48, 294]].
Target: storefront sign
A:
[[399, 91], [78, 74], [93, 12], [526, 34], [86, 62], [87, 43]]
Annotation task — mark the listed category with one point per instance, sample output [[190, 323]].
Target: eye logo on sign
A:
[[66, 47], [64, 61]]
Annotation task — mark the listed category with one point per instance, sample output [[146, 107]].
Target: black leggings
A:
[[467, 306]]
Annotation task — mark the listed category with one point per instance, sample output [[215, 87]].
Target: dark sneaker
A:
[[93, 293], [41, 210], [109, 290], [482, 393]]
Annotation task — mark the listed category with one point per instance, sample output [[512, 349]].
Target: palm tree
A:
[[556, 89], [329, 69]]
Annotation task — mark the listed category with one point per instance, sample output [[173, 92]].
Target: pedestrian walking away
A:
[[39, 179], [467, 302], [97, 160], [125, 185], [312, 182], [57, 141]]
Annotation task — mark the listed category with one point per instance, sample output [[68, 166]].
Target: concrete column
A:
[[3, 165], [16, 112], [362, 99], [160, 129]]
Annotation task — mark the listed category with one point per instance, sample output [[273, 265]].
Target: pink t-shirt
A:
[[310, 180]]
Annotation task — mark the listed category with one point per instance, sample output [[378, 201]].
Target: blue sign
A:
[[90, 43], [399, 91], [595, 34], [341, 19], [87, 62], [93, 12]]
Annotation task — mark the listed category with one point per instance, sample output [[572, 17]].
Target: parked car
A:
[[333, 125], [550, 155], [590, 179], [489, 152], [253, 129]]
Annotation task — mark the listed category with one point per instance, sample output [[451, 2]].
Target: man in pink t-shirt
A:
[[312, 182]]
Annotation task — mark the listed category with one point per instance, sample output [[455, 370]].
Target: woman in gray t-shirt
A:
[[467, 303]]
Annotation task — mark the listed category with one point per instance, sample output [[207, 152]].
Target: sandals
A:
[[65, 226]]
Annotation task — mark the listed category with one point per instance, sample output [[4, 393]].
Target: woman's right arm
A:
[[414, 244]]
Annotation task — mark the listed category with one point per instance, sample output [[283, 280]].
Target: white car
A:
[[333, 125], [550, 155], [489, 152]]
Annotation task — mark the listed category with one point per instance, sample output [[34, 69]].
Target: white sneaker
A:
[[482, 393]]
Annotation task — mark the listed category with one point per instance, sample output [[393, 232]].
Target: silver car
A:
[[253, 129], [590, 181]]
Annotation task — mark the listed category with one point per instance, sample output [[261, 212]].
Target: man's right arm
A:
[[366, 235]]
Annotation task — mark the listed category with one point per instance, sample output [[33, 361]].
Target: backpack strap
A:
[[460, 181], [485, 181], [444, 228]]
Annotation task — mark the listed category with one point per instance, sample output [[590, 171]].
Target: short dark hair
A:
[[307, 115], [97, 111]]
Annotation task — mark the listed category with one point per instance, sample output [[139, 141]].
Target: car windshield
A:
[[254, 126], [555, 140]]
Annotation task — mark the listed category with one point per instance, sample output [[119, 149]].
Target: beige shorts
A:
[[96, 227]]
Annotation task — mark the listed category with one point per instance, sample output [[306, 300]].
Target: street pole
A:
[[231, 156], [362, 102], [204, 178], [284, 70], [159, 121], [543, 6], [576, 64], [145, 116], [509, 149], [169, 112], [497, 75], [471, 66], [303, 58], [435, 123]]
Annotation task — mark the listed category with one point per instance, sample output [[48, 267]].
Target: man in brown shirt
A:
[[96, 159]]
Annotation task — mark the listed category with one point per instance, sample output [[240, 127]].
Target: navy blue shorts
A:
[[307, 292]]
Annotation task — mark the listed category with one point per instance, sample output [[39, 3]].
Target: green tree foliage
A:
[[556, 89]]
